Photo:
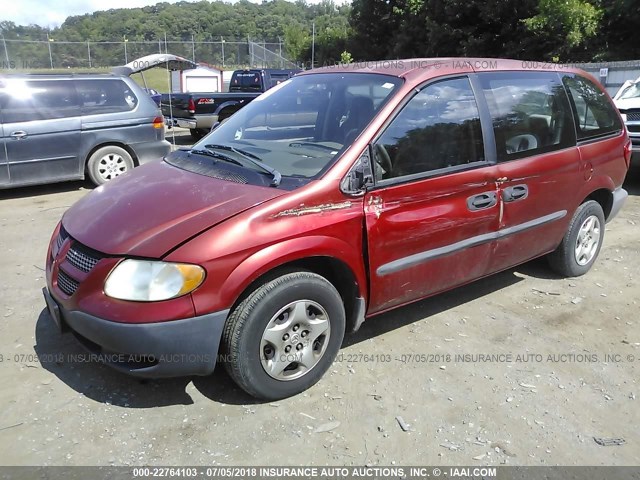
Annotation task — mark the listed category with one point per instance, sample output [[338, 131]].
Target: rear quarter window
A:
[[100, 96], [28, 100], [595, 115]]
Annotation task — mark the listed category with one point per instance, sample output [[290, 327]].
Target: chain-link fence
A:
[[54, 54]]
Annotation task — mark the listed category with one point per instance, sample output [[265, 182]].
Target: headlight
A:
[[150, 281]]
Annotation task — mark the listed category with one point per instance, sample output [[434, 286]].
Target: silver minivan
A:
[[65, 127]]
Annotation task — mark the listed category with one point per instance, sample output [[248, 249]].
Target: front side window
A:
[[594, 114], [530, 113], [100, 96], [29, 100], [438, 128]]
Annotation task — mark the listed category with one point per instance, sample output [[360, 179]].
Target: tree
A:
[[296, 40], [566, 24]]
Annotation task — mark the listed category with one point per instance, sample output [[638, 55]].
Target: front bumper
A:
[[151, 350]]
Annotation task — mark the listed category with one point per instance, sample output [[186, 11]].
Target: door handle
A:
[[19, 135], [517, 192], [482, 201]]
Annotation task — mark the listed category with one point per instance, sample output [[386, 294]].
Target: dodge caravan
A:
[[337, 195]]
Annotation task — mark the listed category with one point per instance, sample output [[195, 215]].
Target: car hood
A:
[[627, 103], [154, 208]]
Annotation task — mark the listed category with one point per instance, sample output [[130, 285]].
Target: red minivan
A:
[[337, 195]]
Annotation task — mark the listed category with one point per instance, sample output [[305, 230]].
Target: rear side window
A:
[[105, 96], [438, 129], [28, 100], [595, 116], [530, 112]]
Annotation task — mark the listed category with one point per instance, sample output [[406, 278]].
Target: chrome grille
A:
[[81, 258], [67, 284]]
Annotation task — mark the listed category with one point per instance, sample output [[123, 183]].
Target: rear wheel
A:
[[581, 244], [284, 336], [107, 163]]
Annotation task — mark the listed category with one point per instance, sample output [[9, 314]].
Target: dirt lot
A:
[[543, 397]]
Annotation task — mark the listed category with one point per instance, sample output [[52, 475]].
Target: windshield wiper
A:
[[315, 145], [251, 158]]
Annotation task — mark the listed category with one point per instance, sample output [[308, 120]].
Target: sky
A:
[[51, 13]]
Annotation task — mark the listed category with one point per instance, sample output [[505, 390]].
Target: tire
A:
[[108, 162], [580, 246], [197, 133], [264, 336]]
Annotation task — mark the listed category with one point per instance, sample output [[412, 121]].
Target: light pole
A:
[[89, 52], [49, 40], [126, 59], [313, 45], [6, 52], [222, 44]]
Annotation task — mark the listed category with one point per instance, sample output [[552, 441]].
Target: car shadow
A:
[[63, 355], [386, 322], [52, 188], [632, 181]]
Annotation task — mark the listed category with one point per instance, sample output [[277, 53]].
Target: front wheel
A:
[[580, 246], [107, 163], [284, 336]]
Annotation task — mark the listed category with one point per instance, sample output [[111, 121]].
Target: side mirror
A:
[[360, 177]]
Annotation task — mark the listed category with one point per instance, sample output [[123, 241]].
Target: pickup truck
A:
[[199, 112]]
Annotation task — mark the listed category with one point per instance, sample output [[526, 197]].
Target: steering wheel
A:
[[382, 159]]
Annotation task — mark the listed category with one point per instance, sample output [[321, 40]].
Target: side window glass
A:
[[29, 100], [439, 128], [105, 96], [594, 114], [530, 113]]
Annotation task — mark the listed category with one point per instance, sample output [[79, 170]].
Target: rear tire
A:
[[580, 246], [108, 162], [283, 337]]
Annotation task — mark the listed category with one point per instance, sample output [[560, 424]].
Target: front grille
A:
[[67, 284], [62, 236], [82, 258], [633, 117]]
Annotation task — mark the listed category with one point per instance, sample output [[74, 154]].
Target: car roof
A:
[[61, 76], [416, 67]]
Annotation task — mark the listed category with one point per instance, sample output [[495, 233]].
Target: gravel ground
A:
[[565, 365]]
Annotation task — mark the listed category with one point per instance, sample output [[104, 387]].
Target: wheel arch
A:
[[331, 262], [604, 197]]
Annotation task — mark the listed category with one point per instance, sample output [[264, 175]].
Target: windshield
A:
[[632, 91], [300, 126]]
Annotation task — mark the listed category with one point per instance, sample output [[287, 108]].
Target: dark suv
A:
[[63, 127]]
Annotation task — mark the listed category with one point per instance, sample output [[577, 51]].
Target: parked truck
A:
[[199, 112]]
